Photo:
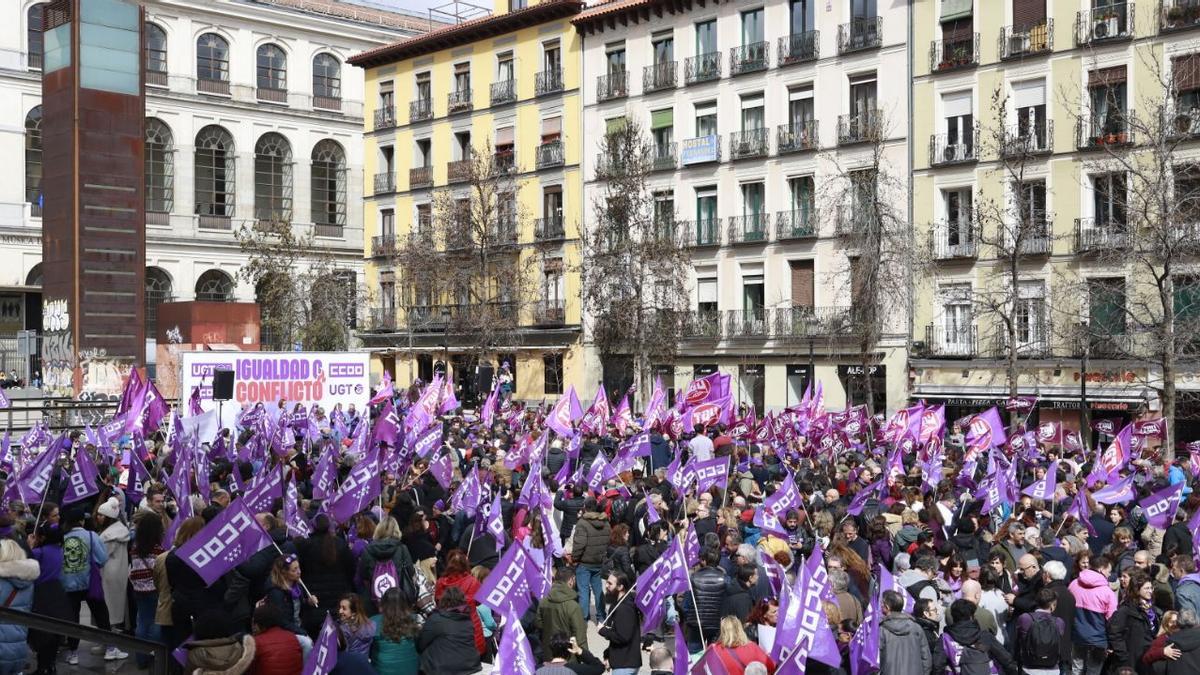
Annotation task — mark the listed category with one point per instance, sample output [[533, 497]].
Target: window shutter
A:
[[1187, 72], [1028, 13], [958, 30], [615, 124], [551, 128], [1106, 77], [504, 136], [661, 119], [802, 283], [956, 9]]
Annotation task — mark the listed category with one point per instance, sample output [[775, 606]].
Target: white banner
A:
[[324, 378]]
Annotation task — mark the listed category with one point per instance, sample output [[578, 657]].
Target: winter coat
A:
[[570, 507], [1187, 595], [560, 613], [382, 550], [222, 655], [734, 661], [972, 548], [446, 643], [903, 648], [1129, 637], [737, 601], [288, 605], [1064, 610], [469, 585], [617, 560], [660, 452], [329, 580], [391, 657], [624, 634], [704, 611], [1095, 603], [247, 583], [645, 555], [1188, 642], [1176, 541], [16, 581], [555, 458], [190, 594], [937, 655], [81, 549], [115, 573], [277, 652], [979, 649], [590, 541]]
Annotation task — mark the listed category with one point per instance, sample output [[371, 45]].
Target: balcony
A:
[[271, 95], [385, 183], [327, 102], [35, 211], [459, 236], [1112, 342], [946, 55], [799, 47], [796, 137], [748, 323], [215, 221], [504, 233], [419, 177], [458, 102], [1102, 24], [813, 322], [504, 91], [862, 127], [958, 342], [944, 150], [1113, 131], [550, 153], [1098, 236], [549, 312], [329, 230], [1028, 139], [612, 85], [702, 68], [749, 58], [859, 34], [1033, 235], [749, 143], [702, 324], [504, 162], [1032, 339], [154, 78], [548, 82], [421, 239], [1030, 40], [383, 245], [854, 221], [792, 225], [549, 229], [702, 233], [754, 228], [207, 86], [954, 241], [458, 171], [152, 217], [383, 318], [34, 61], [665, 157], [701, 150], [420, 110], [385, 118], [1178, 15], [659, 76]]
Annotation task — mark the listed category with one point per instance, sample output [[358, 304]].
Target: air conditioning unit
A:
[[1100, 30], [1018, 44]]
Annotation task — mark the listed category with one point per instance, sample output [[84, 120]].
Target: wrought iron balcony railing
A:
[[420, 176], [945, 150], [796, 224], [749, 143], [420, 110], [385, 183], [1101, 24], [702, 324], [749, 58], [458, 101], [797, 137], [1028, 40], [1028, 139], [1099, 235], [549, 229], [799, 47], [754, 228], [550, 153], [701, 233], [957, 342], [659, 76], [383, 318], [702, 68], [954, 53], [548, 82], [748, 323], [613, 85], [1178, 15], [383, 245], [813, 322], [860, 33], [859, 127], [458, 171], [1110, 132], [385, 118], [549, 312], [665, 157], [504, 91], [1033, 235], [954, 241]]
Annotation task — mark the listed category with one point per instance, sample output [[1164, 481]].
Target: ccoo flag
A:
[[227, 541], [324, 655], [1159, 508]]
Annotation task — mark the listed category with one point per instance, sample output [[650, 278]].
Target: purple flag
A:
[[507, 588], [564, 413], [494, 521], [860, 500], [324, 477], [488, 412], [83, 481], [681, 650], [652, 516], [135, 480], [292, 516], [194, 402], [185, 511], [680, 475], [35, 477], [515, 654], [864, 646], [360, 488], [428, 441], [1117, 455], [691, 545], [802, 623], [1079, 509], [387, 426], [324, 655], [985, 430], [713, 472], [1159, 508], [263, 491], [776, 576], [599, 473], [4, 400], [1117, 493], [706, 389], [1044, 488], [442, 469], [666, 576], [384, 391], [636, 446], [227, 541]]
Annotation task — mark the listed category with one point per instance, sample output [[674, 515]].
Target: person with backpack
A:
[[1133, 626], [928, 615], [970, 650], [1039, 637]]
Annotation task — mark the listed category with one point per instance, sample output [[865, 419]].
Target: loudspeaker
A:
[[222, 385], [483, 377]]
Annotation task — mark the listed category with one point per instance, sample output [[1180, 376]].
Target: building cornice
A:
[[623, 12]]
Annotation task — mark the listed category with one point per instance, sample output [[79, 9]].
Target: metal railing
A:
[[966, 246], [504, 161], [383, 245], [698, 233], [1028, 139], [963, 149], [1027, 40], [549, 229], [327, 102], [215, 222], [1033, 235], [859, 128], [961, 342], [748, 323], [951, 54], [702, 68], [458, 101], [754, 228], [799, 47], [34, 61], [420, 176], [385, 183], [749, 143], [659, 76], [271, 94], [1092, 234], [331, 230], [383, 318], [420, 110], [550, 153], [1111, 22], [422, 238], [504, 91], [795, 224], [805, 322], [613, 85], [749, 58], [861, 33], [702, 324], [1033, 339], [796, 137], [70, 629], [207, 86], [458, 171], [665, 157], [548, 312], [155, 78], [548, 82], [385, 118], [504, 233], [1178, 15], [1111, 131], [854, 220]]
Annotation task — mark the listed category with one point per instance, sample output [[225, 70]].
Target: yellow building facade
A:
[[508, 86]]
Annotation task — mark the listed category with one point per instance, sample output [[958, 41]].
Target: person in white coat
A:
[[115, 573]]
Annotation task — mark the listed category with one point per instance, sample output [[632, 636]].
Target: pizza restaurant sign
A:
[[1108, 377]]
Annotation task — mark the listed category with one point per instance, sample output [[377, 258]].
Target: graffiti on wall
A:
[[58, 349], [102, 374]]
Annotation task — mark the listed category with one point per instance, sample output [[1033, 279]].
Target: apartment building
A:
[[760, 115], [251, 113], [1029, 118], [508, 85]]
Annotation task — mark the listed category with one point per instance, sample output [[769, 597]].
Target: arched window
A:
[[33, 158], [327, 82], [328, 188], [160, 169], [158, 291], [34, 278], [156, 54], [33, 31], [273, 179], [212, 64], [272, 70], [214, 286], [214, 172]]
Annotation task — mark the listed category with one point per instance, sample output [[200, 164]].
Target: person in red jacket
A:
[[276, 649], [458, 575], [733, 651]]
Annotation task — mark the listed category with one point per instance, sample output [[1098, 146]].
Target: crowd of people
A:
[[896, 550]]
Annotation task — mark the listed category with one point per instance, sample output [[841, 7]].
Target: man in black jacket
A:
[[570, 505], [977, 649], [737, 600], [703, 615], [623, 627], [1054, 574]]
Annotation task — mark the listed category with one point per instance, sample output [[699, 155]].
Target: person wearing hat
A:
[[115, 574]]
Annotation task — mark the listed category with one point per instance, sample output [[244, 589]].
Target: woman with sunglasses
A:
[[285, 592]]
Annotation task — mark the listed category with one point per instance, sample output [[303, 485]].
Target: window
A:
[[1030, 316], [423, 87], [212, 58], [424, 153], [552, 364], [273, 179], [706, 119], [156, 49], [862, 198], [664, 48], [1029, 99], [706, 205], [1187, 193], [862, 97], [158, 291], [160, 167], [272, 67], [1106, 98], [33, 33], [802, 16], [800, 107], [802, 200], [957, 325], [664, 212], [327, 77], [753, 294], [614, 57], [214, 172], [752, 112], [551, 129], [1109, 199], [387, 158], [1031, 207], [214, 286], [505, 142], [803, 283], [1186, 74], [552, 284], [752, 27], [462, 145], [328, 184], [462, 78], [504, 67], [552, 205], [551, 57], [753, 202], [863, 9], [959, 230], [706, 295], [387, 222], [517, 4], [33, 156], [662, 130], [706, 37], [960, 126], [1106, 307]]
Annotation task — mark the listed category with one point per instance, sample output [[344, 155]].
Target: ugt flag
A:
[[225, 542]]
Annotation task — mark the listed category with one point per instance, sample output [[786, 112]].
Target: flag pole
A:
[[617, 604]]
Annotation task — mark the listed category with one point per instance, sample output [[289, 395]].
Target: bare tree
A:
[[635, 265]]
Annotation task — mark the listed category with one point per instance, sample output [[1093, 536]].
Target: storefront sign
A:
[[859, 371]]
